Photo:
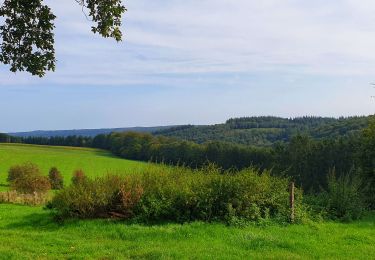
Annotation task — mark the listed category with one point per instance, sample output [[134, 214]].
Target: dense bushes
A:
[[178, 194], [102, 197], [27, 178], [210, 195]]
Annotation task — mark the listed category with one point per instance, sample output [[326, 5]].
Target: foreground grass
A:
[[28, 232], [93, 162]]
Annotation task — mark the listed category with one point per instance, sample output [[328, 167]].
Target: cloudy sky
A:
[[200, 62]]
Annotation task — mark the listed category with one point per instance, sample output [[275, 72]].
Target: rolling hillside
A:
[[265, 131]]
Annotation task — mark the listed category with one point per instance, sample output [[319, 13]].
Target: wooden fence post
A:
[[291, 201], [35, 198]]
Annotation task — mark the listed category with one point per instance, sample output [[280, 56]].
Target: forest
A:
[[266, 130]]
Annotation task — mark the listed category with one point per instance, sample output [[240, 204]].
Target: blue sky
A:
[[200, 62]]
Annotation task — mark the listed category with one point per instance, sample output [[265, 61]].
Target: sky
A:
[[200, 62]]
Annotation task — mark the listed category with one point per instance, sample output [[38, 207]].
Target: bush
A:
[[22, 170], [31, 182], [344, 196], [178, 194], [183, 195], [110, 196], [26, 178], [129, 195], [56, 179], [78, 177]]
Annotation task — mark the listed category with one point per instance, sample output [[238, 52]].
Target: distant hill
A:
[[257, 131], [266, 130], [88, 132]]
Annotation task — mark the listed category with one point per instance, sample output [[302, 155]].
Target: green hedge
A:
[[178, 194]]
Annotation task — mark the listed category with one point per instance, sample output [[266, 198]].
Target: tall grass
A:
[[34, 199]]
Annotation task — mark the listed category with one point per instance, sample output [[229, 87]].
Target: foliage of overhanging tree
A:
[[27, 32]]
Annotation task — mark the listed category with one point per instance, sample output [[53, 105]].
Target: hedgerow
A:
[[178, 194]]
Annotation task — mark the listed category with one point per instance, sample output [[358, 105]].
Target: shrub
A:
[[178, 194], [110, 196], [26, 178], [22, 170], [55, 179], [184, 195], [130, 194], [344, 196], [79, 177], [31, 184], [84, 199]]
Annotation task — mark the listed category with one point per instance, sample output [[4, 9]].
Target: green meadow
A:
[[32, 233], [93, 162]]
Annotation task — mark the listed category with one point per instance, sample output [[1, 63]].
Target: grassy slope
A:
[[67, 159], [27, 232]]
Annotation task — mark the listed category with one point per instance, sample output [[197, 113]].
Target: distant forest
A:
[[304, 149], [255, 131], [267, 130]]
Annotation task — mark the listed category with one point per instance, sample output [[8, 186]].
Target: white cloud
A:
[[334, 38]]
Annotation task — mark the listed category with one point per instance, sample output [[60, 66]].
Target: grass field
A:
[[67, 159], [27, 232], [31, 233]]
